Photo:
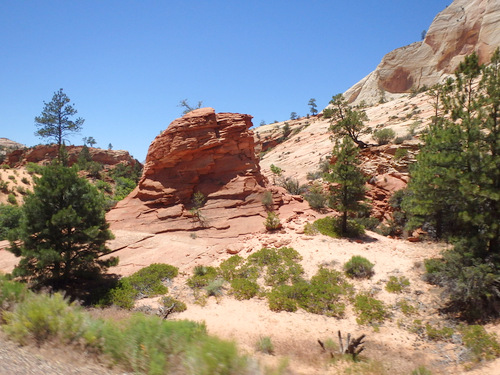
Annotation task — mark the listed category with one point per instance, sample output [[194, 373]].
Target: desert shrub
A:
[[316, 197], [406, 308], [438, 334], [267, 200], [282, 298], [21, 190], [215, 288], [323, 294], [292, 185], [13, 178], [369, 310], [331, 226], [384, 136], [265, 345], [4, 186], [359, 267], [281, 266], [310, 229], [202, 276], [482, 345], [10, 217], [25, 181], [169, 301], [11, 292], [147, 282], [397, 284], [400, 153], [276, 170], [33, 168], [400, 139], [42, 317], [328, 113], [272, 221], [229, 269], [11, 198], [244, 289]]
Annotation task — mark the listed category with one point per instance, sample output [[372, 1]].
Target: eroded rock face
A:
[[207, 152], [465, 26], [46, 153]]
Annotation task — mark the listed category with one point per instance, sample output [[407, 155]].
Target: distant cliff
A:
[[464, 27]]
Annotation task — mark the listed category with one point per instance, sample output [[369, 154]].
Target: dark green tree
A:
[[313, 106], [63, 232], [187, 107], [347, 121], [348, 190], [455, 184], [89, 141], [293, 116], [55, 121]]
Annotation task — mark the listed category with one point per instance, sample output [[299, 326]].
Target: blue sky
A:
[[126, 64]]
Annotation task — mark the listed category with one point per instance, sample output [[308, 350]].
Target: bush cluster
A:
[[359, 267]]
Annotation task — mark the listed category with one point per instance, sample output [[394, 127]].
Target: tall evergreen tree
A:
[[63, 231], [55, 121], [348, 190], [455, 185], [313, 107]]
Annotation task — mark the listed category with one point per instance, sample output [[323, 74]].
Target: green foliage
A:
[[130, 171], [267, 200], [310, 229], [438, 334], [265, 345], [272, 221], [482, 345], [202, 276], [276, 170], [215, 288], [359, 267], [123, 187], [147, 282], [401, 153], [331, 226], [169, 301], [455, 183], [280, 265], [384, 136], [347, 121], [44, 317], [397, 284], [370, 310], [313, 106], [33, 168], [349, 190], [243, 289], [55, 121], [10, 217], [406, 307], [4, 186], [11, 198], [64, 231], [11, 292], [282, 298], [199, 199], [316, 197], [103, 186]]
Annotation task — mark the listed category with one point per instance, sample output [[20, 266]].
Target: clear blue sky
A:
[[126, 64]]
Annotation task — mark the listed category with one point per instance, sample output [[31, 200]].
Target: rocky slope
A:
[[465, 26]]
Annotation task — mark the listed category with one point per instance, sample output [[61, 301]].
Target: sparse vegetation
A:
[[370, 311], [359, 267], [265, 345], [384, 136], [272, 221], [397, 284]]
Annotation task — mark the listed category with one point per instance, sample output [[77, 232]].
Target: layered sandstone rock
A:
[[203, 152], [46, 153], [465, 26]]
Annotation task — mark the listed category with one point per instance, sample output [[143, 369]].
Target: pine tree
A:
[[348, 192], [63, 232], [313, 106], [55, 121], [347, 121], [454, 189]]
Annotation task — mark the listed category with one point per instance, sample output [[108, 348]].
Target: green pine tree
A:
[[348, 190], [63, 231]]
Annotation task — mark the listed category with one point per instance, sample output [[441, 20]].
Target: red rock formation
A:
[[46, 153], [200, 152]]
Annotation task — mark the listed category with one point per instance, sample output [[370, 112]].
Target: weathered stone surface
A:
[[207, 152], [465, 26], [46, 153]]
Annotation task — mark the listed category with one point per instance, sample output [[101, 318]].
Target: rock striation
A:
[[202, 152], [465, 26]]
